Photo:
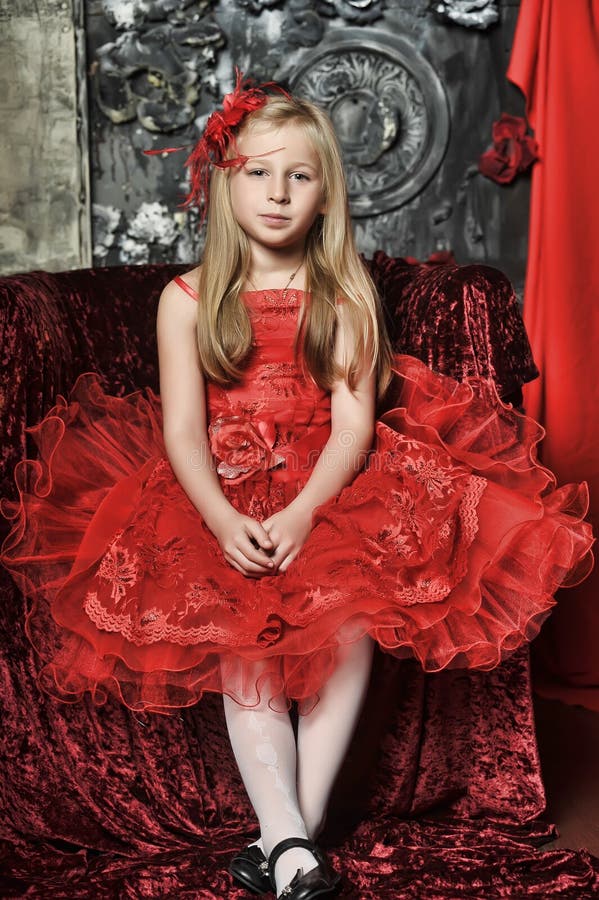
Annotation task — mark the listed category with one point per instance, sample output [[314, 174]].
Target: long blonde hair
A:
[[334, 270]]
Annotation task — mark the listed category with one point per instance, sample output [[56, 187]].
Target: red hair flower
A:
[[219, 137], [513, 150]]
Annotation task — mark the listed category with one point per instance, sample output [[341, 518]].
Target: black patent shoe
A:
[[315, 883], [250, 868]]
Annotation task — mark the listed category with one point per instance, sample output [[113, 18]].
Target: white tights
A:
[[289, 785]]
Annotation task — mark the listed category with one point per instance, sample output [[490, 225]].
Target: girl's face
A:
[[277, 196]]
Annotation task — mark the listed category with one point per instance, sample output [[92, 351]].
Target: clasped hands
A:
[[263, 548]]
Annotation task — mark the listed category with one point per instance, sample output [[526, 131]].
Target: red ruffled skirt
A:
[[448, 546]]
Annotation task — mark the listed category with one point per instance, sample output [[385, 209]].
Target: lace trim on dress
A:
[[432, 590], [152, 626]]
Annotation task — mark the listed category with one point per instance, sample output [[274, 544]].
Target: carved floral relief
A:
[[154, 70]]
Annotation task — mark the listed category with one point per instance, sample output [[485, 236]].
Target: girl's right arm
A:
[[183, 399]]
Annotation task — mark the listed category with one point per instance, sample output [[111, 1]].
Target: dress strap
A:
[[186, 287]]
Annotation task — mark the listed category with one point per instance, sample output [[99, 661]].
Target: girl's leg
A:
[[264, 746], [324, 734]]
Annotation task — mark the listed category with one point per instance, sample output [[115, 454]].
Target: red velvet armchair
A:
[[104, 802]]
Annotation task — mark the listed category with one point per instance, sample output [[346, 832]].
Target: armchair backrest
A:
[[460, 320]]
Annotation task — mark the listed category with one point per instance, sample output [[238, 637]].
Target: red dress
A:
[[448, 545]]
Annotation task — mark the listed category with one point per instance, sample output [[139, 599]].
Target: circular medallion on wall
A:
[[389, 109]]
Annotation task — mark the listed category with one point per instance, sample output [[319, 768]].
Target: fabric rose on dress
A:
[[242, 447], [513, 150], [271, 632]]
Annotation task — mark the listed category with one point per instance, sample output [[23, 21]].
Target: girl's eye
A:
[[299, 176], [257, 172]]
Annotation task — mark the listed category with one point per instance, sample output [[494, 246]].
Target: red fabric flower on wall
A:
[[438, 258], [513, 151]]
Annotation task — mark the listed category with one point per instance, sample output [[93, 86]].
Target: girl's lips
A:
[[273, 219]]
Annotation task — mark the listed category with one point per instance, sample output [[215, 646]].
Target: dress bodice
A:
[[274, 381], [276, 402]]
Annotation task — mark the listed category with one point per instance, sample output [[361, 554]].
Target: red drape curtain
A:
[[555, 62]]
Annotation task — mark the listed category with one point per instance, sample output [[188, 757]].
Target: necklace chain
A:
[[286, 288]]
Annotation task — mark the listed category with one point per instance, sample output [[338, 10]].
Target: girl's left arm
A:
[[342, 457]]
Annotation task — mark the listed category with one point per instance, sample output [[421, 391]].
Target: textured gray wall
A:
[[381, 66], [413, 87], [44, 190]]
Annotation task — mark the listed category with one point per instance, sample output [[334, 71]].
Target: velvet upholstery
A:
[[441, 792]]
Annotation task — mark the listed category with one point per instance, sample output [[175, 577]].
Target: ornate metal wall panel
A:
[[44, 193], [389, 110], [412, 85]]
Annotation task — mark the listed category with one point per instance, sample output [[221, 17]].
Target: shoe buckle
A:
[[286, 891], [264, 867]]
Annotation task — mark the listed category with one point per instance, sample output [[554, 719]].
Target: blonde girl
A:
[[280, 221]]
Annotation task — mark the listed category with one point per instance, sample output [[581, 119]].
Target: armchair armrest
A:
[[459, 320]]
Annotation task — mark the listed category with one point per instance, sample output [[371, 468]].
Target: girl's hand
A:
[[289, 530], [246, 545]]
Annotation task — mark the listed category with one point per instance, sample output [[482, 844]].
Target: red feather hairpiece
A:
[[219, 136]]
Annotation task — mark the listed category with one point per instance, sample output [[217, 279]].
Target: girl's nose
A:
[[278, 191]]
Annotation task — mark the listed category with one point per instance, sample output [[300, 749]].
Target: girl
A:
[[298, 494]]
